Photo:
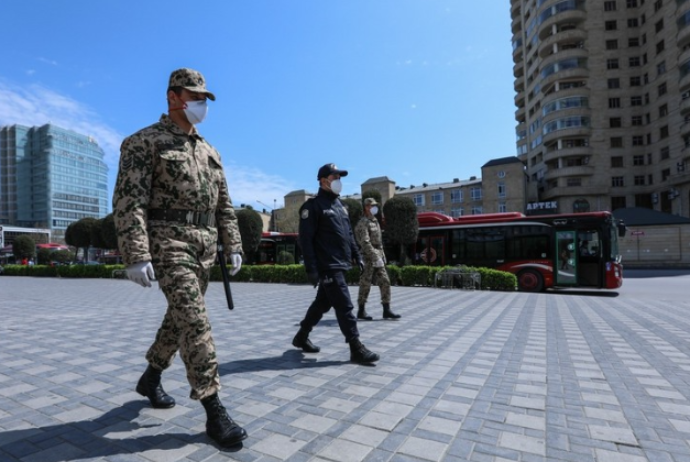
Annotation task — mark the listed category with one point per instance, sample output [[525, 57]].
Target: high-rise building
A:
[[603, 102], [50, 177]]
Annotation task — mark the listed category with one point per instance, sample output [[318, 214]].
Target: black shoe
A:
[[388, 314], [150, 386], [362, 314], [361, 354], [302, 341], [219, 426]]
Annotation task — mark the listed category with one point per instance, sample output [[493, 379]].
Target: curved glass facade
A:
[[565, 103], [570, 63], [565, 123]]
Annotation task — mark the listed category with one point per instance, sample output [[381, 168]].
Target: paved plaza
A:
[[464, 376]]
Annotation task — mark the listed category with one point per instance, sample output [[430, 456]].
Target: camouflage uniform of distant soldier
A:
[[171, 204], [368, 235]]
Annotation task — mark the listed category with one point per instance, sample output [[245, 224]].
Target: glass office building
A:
[[50, 177]]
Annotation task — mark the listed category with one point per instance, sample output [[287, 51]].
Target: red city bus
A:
[[543, 251]]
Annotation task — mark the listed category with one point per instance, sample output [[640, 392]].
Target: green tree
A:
[[43, 256], [24, 246], [251, 226], [354, 210], [61, 256], [78, 235], [96, 234], [401, 223], [109, 233]]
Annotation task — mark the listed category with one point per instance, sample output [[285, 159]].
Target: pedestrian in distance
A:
[[368, 235], [171, 205], [329, 249]]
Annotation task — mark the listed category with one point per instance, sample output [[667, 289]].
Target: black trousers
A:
[[333, 292]]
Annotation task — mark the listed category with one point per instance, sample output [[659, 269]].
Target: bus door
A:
[[431, 251], [566, 258]]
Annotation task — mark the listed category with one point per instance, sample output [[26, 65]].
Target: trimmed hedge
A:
[[420, 276]]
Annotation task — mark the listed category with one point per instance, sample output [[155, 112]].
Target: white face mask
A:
[[336, 186], [374, 210], [196, 111]]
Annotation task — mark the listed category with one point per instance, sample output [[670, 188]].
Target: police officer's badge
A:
[[305, 214]]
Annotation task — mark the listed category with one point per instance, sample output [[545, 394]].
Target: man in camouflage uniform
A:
[[171, 205], [368, 235]]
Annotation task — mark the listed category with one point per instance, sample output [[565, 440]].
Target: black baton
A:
[[226, 276]]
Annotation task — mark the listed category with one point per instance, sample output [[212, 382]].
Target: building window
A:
[[631, 3], [634, 42], [663, 110], [476, 193], [662, 89], [612, 63], [456, 196], [664, 153], [573, 182], [610, 25], [636, 120], [635, 81], [639, 180], [638, 160], [477, 210], [634, 61], [437, 198], [612, 44], [614, 103], [418, 200], [616, 161], [615, 122], [663, 132], [661, 68], [617, 181], [617, 203], [650, 179], [636, 101], [657, 5], [659, 25], [501, 189], [617, 142], [638, 140], [614, 83], [458, 212], [502, 207], [660, 47], [610, 6], [633, 22], [665, 173]]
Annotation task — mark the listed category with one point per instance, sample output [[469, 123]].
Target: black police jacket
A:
[[325, 234]]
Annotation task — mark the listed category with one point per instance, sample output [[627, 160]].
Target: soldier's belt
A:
[[189, 217]]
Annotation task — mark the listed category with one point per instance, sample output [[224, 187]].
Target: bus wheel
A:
[[530, 281]]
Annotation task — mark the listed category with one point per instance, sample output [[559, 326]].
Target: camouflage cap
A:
[[370, 201], [191, 80]]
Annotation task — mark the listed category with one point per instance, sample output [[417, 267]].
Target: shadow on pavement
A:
[[95, 438], [289, 360], [584, 292]]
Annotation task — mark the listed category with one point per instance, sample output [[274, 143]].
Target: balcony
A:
[[580, 151], [685, 106], [579, 91], [578, 72], [577, 132], [519, 84], [579, 170], [516, 24], [520, 114], [683, 37], [519, 69], [568, 36], [567, 112], [563, 55], [568, 16]]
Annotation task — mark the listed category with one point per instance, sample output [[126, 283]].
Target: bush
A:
[[285, 258]]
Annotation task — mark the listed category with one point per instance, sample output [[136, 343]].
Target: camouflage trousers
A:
[[374, 276], [182, 260]]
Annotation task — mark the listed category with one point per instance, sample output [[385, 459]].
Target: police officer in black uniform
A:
[[329, 249]]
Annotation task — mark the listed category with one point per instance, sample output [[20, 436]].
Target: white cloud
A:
[[35, 105], [48, 61]]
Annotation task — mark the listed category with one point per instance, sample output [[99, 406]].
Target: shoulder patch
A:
[[305, 213], [127, 163]]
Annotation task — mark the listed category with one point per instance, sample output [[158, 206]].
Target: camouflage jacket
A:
[[368, 235], [162, 167]]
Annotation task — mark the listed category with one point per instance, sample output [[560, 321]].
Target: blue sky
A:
[[416, 90]]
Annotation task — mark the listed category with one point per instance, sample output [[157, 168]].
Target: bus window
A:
[[589, 244]]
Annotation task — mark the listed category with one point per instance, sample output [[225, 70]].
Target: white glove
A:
[[236, 262], [141, 273], [378, 263]]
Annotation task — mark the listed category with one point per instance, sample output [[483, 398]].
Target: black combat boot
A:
[[219, 426], [302, 341], [150, 386], [360, 354], [362, 314], [387, 313]]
